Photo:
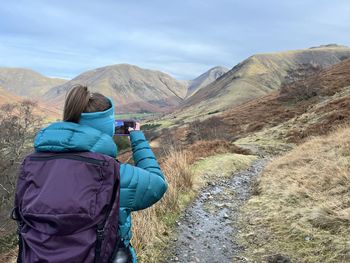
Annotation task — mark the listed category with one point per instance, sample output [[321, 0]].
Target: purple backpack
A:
[[67, 208]]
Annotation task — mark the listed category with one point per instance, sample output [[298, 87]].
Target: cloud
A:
[[183, 38]]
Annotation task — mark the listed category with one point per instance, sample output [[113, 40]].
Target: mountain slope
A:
[[205, 79], [132, 88], [277, 121], [308, 107], [260, 75], [42, 109], [301, 200], [7, 97], [26, 82]]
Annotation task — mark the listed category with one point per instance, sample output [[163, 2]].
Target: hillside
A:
[[309, 107], [42, 109], [26, 82], [205, 79], [133, 89], [300, 211], [300, 208], [275, 122], [260, 75], [7, 97]]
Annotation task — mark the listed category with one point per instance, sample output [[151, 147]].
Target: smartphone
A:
[[122, 127]]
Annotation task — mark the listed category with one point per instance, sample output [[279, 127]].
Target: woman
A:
[[88, 125]]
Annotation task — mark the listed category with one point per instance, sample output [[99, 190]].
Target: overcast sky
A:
[[183, 38]]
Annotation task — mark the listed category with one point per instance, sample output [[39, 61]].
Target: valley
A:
[[259, 152]]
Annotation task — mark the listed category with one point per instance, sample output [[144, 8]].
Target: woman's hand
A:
[[137, 127]]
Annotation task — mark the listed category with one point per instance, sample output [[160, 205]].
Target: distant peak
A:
[[123, 65], [333, 45], [219, 68]]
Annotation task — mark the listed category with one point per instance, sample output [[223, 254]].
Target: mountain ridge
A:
[[26, 82], [259, 75], [134, 89], [205, 79]]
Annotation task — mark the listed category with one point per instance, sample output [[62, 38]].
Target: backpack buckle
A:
[[100, 233]]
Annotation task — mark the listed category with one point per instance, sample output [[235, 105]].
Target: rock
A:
[[308, 238], [190, 237]]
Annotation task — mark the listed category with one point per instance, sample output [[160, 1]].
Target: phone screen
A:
[[122, 127]]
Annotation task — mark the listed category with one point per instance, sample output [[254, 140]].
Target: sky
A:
[[183, 38]]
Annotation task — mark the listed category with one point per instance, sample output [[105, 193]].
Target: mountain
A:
[[274, 123], [7, 97], [42, 109], [132, 88], [260, 75], [205, 79], [312, 106], [26, 82]]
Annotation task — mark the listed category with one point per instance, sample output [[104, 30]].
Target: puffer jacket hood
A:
[[70, 136], [100, 120]]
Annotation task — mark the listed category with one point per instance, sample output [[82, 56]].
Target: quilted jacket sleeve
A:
[[144, 184]]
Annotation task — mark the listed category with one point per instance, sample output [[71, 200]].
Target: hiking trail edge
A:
[[206, 231]]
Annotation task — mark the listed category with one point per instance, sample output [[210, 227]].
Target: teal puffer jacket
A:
[[142, 185]]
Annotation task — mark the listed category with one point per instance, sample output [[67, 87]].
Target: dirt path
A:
[[207, 229]]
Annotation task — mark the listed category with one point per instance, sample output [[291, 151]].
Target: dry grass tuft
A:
[[177, 169], [304, 203], [151, 226], [9, 257]]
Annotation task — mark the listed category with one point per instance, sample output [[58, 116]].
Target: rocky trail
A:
[[206, 232]]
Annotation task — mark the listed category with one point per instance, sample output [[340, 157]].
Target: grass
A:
[[149, 126], [137, 116], [8, 244], [271, 140], [302, 206], [226, 163], [164, 123]]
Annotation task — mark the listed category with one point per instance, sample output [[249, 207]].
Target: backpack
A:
[[67, 208]]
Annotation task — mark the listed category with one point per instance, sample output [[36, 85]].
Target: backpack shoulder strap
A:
[[101, 227]]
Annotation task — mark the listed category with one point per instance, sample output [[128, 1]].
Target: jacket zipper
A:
[[70, 157]]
